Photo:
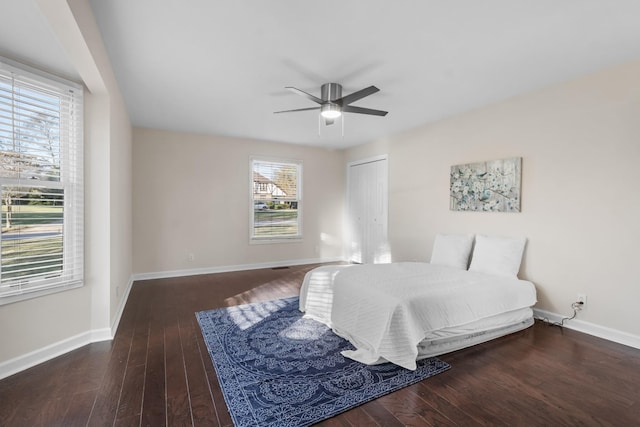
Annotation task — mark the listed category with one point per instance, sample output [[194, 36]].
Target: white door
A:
[[367, 211]]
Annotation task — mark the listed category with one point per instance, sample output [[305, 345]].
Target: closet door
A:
[[367, 211]]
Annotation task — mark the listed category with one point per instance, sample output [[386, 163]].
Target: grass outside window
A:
[[33, 243]]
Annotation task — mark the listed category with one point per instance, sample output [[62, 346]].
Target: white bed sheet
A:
[[386, 310]]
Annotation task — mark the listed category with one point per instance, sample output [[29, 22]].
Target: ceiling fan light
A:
[[330, 111]]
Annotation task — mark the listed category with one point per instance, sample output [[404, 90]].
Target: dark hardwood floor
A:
[[157, 372]]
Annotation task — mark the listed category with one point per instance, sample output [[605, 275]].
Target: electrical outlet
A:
[[583, 299], [191, 257]]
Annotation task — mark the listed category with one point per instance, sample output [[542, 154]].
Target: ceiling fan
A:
[[333, 104]]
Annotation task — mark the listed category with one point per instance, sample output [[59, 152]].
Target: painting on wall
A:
[[492, 186]]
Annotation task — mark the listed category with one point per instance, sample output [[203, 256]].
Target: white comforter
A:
[[385, 310]]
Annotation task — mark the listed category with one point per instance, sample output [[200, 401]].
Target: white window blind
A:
[[41, 178], [276, 202]]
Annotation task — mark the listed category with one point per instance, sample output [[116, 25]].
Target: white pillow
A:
[[452, 250], [498, 255]]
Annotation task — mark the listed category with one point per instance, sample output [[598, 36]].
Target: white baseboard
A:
[[123, 302], [29, 360], [229, 268], [592, 329], [41, 355]]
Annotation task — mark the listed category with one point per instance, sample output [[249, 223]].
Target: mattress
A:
[[401, 312], [456, 338]]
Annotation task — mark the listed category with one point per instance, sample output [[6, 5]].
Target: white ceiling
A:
[[220, 67]]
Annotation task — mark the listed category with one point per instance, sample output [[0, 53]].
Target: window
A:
[[276, 202], [41, 183]]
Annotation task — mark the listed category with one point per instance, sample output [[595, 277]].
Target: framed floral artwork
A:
[[492, 186]]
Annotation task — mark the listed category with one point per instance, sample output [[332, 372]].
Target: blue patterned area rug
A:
[[277, 368]]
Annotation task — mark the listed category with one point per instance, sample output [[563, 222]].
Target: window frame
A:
[[70, 181], [253, 239]]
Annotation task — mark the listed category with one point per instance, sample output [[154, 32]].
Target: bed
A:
[[403, 312]]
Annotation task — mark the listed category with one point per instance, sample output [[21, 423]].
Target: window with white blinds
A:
[[41, 182], [276, 201]]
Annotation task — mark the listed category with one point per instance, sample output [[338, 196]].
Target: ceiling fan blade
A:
[[360, 110], [353, 97], [305, 94], [298, 109]]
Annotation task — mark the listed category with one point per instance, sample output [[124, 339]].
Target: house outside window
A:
[[276, 200], [41, 183]]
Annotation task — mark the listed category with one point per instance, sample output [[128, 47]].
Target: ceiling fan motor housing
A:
[[330, 91]]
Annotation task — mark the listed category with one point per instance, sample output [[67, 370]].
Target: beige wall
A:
[[580, 144], [191, 195], [30, 325]]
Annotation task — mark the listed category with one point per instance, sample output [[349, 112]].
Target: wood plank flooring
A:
[[157, 372]]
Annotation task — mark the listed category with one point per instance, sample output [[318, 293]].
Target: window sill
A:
[[30, 294], [270, 241]]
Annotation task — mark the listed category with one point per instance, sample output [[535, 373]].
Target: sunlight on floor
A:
[[300, 331], [319, 301], [245, 316], [282, 287]]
